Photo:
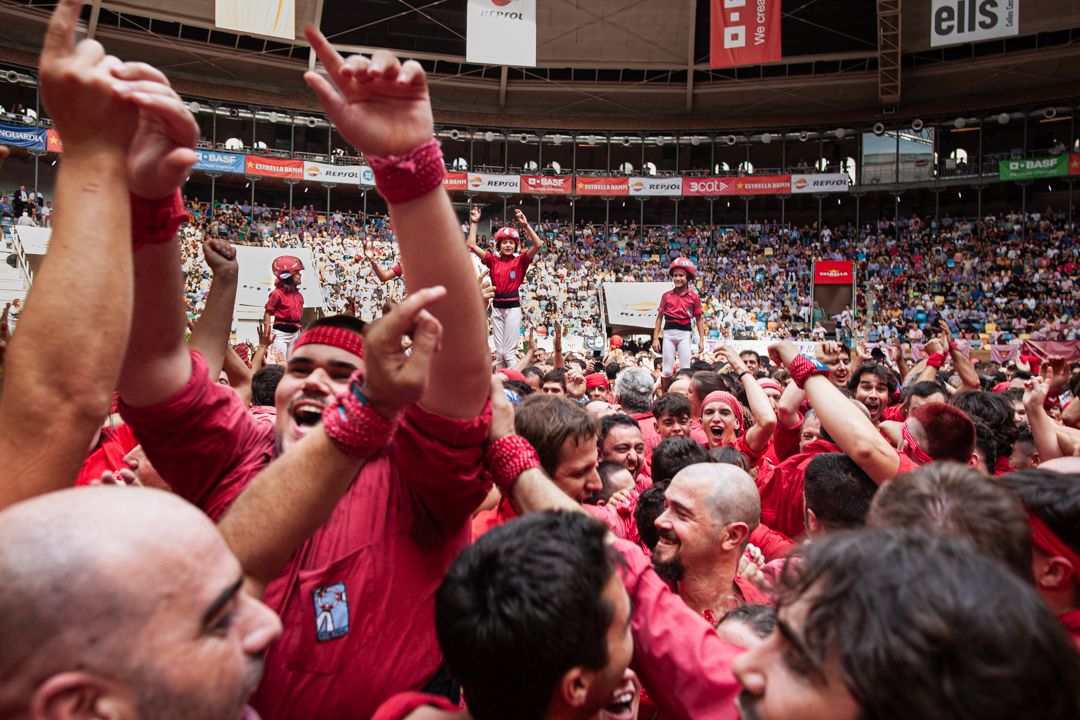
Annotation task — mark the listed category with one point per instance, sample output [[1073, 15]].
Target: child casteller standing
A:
[[680, 308], [286, 303]]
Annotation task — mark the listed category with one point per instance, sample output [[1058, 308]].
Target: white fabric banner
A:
[[338, 174], [35, 240], [257, 280], [276, 18], [501, 32], [668, 186], [634, 304], [761, 347], [824, 183], [506, 184]]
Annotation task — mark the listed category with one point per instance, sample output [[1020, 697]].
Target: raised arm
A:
[[853, 431], [56, 398], [534, 239], [211, 333], [968, 376], [761, 432], [470, 241], [294, 495], [787, 410], [382, 108], [1042, 427]]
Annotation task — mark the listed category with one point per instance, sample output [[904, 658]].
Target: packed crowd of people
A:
[[394, 524]]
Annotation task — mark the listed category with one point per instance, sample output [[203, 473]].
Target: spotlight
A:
[[879, 128]]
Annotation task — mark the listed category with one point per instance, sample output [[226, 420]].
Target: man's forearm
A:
[[533, 491], [211, 333]]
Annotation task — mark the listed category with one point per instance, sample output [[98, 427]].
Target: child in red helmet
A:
[[507, 274], [286, 303], [679, 309]]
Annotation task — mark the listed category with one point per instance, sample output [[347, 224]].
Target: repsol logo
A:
[[831, 182], [502, 14], [666, 186], [502, 183]]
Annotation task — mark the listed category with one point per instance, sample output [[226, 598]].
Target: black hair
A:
[[673, 454], [1054, 497], [558, 375], [610, 421], [674, 404], [880, 372], [925, 389], [521, 387], [998, 414], [730, 455], [521, 607], [759, 618], [264, 384], [344, 322], [606, 469], [838, 491], [650, 505]]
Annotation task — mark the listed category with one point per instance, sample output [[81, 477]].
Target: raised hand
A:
[[394, 380], [221, 257], [474, 214], [502, 412], [575, 383], [77, 88], [1035, 391], [519, 217], [379, 105], [162, 150], [731, 355], [782, 353], [266, 335]]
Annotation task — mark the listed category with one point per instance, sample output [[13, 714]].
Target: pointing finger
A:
[[60, 35]]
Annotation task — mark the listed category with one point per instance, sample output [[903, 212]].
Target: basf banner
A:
[[633, 304], [668, 186], [744, 32], [274, 167], [737, 185], [210, 161], [21, 136], [545, 185], [501, 32], [963, 21], [506, 184], [604, 186], [830, 183]]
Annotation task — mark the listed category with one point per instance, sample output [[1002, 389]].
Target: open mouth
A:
[[307, 413], [621, 706]]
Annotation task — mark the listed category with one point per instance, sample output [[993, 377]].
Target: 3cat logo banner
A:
[[744, 32]]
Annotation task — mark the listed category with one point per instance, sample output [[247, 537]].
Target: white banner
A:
[[830, 183], [668, 186], [333, 174], [257, 279], [953, 22], [634, 304], [276, 18], [506, 184], [761, 347], [35, 240], [501, 32]]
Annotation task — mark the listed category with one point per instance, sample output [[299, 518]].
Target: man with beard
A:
[[406, 482], [710, 511], [124, 603]]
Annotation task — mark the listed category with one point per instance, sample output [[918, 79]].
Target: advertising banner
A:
[[1074, 164], [501, 32], [740, 185], [962, 21], [53, 142], [545, 185], [830, 183], [274, 167], [211, 161], [276, 18], [611, 186], [634, 304], [834, 272], [332, 174], [744, 32], [456, 181], [667, 187], [506, 184], [21, 136], [1033, 168]]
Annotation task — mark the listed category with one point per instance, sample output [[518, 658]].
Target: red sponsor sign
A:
[[52, 142], [1074, 164], [273, 167], [834, 272], [612, 186], [545, 185], [741, 185], [744, 32], [456, 181]]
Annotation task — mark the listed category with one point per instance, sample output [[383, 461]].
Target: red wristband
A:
[[803, 368], [508, 457], [355, 427], [401, 178], [156, 221], [936, 360]]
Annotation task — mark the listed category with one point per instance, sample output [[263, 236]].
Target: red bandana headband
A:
[[337, 337], [912, 449], [731, 401], [1046, 541]]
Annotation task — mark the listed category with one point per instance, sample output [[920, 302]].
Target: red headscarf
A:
[[731, 401]]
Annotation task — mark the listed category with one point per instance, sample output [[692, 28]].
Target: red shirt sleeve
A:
[[619, 518], [488, 259], [681, 660], [404, 704], [786, 440], [202, 441], [396, 269], [524, 261], [440, 462], [772, 544], [274, 301]]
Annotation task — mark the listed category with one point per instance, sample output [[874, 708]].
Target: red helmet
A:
[[506, 233], [285, 266], [684, 264]]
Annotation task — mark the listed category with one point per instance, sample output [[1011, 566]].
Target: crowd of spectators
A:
[[993, 280]]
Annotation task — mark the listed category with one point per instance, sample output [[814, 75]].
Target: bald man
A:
[[710, 509], [146, 619]]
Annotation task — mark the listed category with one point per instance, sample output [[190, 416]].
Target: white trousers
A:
[[505, 332], [283, 342], [676, 341]]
